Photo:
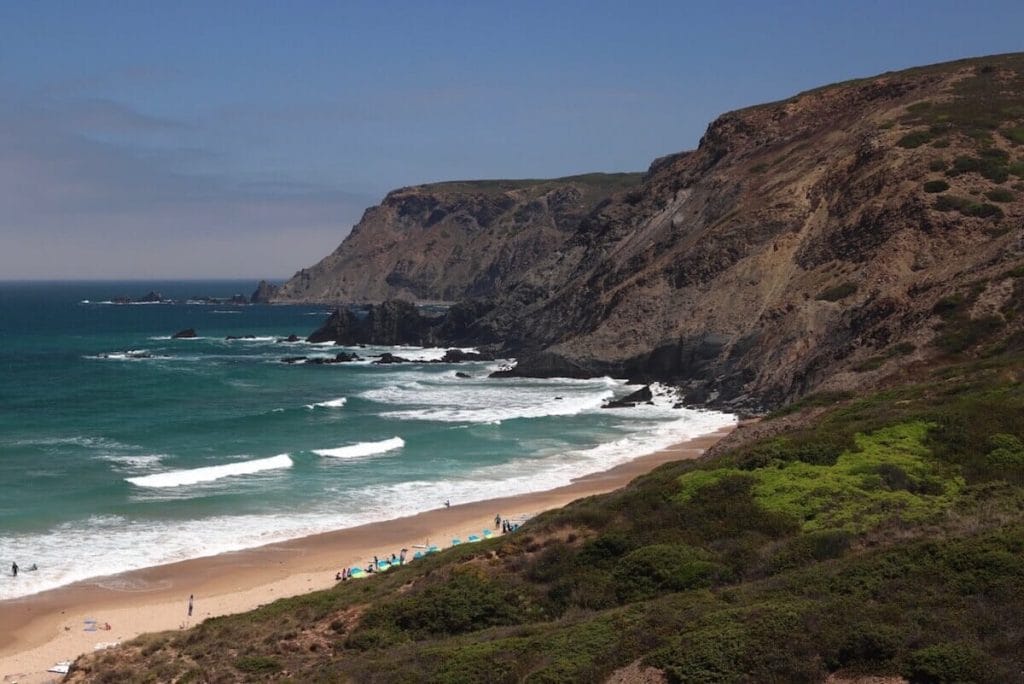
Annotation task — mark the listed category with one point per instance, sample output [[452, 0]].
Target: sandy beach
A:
[[40, 630]]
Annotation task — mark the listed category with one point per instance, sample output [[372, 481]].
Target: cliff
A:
[[822, 242], [449, 241], [817, 243]]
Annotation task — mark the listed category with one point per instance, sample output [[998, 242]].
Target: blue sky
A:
[[243, 139]]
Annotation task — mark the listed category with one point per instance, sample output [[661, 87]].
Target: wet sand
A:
[[39, 630]]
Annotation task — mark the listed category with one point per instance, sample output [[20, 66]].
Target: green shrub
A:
[[936, 186], [465, 603], [951, 203], [937, 165], [658, 568], [982, 210], [811, 547], [914, 139], [963, 333], [1015, 134], [1007, 451], [869, 644], [837, 292], [1016, 168], [258, 664], [869, 364], [903, 349], [947, 662], [1001, 195]]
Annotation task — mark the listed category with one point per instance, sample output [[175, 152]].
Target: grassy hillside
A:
[[880, 534]]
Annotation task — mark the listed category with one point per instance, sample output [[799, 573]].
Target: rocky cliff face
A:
[[449, 241], [817, 243]]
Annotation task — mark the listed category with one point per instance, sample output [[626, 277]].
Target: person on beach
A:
[[14, 568], [190, 605], [376, 563], [447, 503], [401, 556], [497, 520]]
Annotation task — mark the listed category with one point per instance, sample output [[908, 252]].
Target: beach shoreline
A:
[[39, 630]]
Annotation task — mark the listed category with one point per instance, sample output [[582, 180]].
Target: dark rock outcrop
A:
[[388, 358], [641, 396], [264, 293], [394, 322], [185, 334]]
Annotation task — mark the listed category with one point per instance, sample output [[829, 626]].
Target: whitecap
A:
[[362, 449], [177, 478], [332, 403]]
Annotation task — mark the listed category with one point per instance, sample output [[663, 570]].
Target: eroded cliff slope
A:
[[813, 243], [448, 241], [821, 242]]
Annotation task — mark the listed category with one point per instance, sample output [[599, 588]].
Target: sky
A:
[[243, 139]]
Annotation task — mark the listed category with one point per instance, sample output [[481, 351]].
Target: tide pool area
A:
[[122, 447]]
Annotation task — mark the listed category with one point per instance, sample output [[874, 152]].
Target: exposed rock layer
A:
[[821, 242]]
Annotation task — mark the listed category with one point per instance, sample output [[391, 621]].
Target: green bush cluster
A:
[[936, 186], [889, 473], [992, 164], [968, 207], [1001, 195], [837, 292]]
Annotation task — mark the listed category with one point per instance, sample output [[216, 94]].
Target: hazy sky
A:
[[243, 139]]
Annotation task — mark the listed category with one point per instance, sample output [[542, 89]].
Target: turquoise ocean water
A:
[[122, 448]]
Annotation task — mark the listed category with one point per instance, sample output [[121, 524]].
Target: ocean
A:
[[122, 448]]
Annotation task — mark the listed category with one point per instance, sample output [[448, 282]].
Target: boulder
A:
[[388, 357], [185, 334], [641, 396], [464, 376]]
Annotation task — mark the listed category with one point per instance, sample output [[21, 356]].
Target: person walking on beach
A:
[[497, 520], [190, 605], [14, 568], [447, 503]]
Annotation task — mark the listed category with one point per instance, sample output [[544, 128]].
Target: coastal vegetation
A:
[[870, 524], [872, 534]]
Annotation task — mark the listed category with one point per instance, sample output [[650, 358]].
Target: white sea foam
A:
[[136, 461], [225, 312], [177, 478], [114, 544], [333, 403], [128, 355], [451, 400], [362, 449]]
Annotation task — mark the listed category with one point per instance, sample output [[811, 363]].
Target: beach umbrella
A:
[[472, 538], [356, 572], [456, 541], [417, 555], [488, 534], [384, 565], [434, 549]]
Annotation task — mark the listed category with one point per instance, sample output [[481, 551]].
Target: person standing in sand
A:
[[190, 605], [14, 568]]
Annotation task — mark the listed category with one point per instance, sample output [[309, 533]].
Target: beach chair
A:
[[472, 538], [434, 549], [488, 534], [456, 541]]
